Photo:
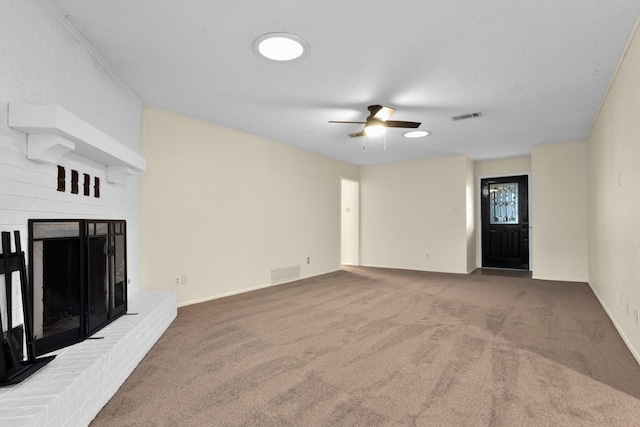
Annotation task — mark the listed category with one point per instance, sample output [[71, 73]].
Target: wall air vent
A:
[[466, 116], [284, 274]]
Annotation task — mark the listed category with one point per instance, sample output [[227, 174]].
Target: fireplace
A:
[[78, 274]]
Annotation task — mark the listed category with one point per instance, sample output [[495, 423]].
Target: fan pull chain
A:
[[385, 142], [364, 142]]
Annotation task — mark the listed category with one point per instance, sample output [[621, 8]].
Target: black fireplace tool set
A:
[[13, 366]]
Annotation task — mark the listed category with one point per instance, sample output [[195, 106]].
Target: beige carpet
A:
[[381, 347]]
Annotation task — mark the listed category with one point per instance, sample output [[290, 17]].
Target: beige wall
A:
[[559, 215], [224, 208], [266, 205], [412, 209], [613, 156], [511, 166]]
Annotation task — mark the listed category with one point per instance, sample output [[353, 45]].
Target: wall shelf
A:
[[52, 132]]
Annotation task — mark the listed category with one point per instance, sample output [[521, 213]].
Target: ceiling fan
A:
[[378, 120]]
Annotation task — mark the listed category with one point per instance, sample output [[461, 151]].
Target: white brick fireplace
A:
[[45, 61]]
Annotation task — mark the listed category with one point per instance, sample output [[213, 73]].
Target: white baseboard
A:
[[244, 290], [633, 351], [395, 267]]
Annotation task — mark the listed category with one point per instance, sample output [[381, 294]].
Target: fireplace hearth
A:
[[78, 273]]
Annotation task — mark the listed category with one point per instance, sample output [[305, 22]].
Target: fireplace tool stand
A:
[[13, 367]]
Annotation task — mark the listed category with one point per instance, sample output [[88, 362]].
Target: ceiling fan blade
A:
[[401, 124], [383, 113], [355, 135], [336, 121]]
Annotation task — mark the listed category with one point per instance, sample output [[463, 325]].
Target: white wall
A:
[[44, 61], [613, 159], [559, 215], [225, 208], [412, 209]]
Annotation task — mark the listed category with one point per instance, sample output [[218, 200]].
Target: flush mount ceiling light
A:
[[416, 134], [280, 46], [374, 130]]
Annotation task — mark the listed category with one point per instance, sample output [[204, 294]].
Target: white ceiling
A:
[[536, 69]]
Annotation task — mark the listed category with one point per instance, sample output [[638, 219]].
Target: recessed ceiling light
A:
[[280, 46], [416, 133]]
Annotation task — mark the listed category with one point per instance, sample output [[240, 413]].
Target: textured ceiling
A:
[[536, 69]]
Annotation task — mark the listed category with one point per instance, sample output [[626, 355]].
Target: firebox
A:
[[78, 271]]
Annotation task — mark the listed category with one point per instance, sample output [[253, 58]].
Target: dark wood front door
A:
[[505, 222]]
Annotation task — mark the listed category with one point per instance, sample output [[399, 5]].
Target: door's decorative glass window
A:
[[503, 203]]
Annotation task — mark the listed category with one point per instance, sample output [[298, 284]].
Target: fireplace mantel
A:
[[52, 132]]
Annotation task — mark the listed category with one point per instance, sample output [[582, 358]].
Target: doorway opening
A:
[[350, 222], [505, 222]]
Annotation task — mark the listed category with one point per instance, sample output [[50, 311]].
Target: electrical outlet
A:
[[183, 279], [177, 281], [308, 260]]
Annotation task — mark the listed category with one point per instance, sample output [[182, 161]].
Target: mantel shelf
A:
[[53, 131]]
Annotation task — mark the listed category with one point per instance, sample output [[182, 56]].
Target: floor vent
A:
[[466, 116], [285, 273]]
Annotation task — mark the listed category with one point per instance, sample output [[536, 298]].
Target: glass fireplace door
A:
[[98, 253], [56, 271], [119, 295], [106, 272]]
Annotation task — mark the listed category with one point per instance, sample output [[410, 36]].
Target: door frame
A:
[[478, 200], [356, 220]]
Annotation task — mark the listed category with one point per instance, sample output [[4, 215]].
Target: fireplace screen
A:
[[79, 278]]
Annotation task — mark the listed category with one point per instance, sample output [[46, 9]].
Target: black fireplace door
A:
[[106, 273]]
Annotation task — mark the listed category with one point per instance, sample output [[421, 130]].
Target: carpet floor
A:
[[382, 347]]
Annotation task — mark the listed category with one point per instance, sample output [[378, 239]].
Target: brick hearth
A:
[[72, 389]]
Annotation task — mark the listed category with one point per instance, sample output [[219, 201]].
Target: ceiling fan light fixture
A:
[[374, 130], [416, 134], [280, 46]]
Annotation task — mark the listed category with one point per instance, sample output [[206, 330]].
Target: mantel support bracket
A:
[[48, 148], [117, 174]]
